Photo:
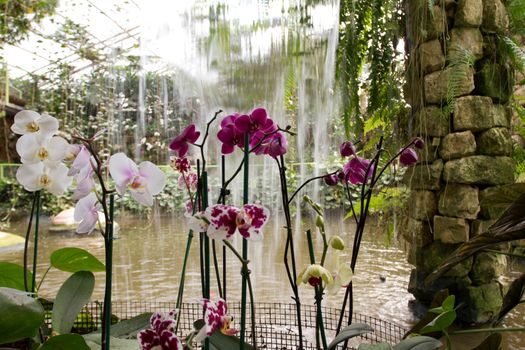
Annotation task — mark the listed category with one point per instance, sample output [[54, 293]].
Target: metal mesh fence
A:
[[275, 323]]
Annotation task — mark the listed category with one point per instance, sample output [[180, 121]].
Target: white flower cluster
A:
[[42, 153]]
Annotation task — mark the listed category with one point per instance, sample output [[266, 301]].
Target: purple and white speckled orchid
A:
[[215, 318], [161, 335], [221, 221], [143, 181]]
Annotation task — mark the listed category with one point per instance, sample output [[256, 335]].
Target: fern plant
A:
[[460, 61]]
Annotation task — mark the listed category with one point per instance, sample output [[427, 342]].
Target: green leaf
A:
[[447, 305], [65, 342], [380, 346], [130, 327], [513, 296], [418, 343], [440, 323], [93, 341], [439, 298], [348, 332], [12, 276], [20, 315], [221, 341], [71, 297], [492, 342], [75, 259]]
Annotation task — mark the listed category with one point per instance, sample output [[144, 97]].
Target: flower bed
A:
[[276, 325]]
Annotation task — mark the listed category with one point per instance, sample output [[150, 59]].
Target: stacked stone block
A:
[[467, 155]]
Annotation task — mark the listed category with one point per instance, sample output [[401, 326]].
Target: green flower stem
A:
[[26, 243], [491, 330], [35, 245], [244, 241], [224, 256], [108, 240], [43, 277], [216, 267], [318, 296]]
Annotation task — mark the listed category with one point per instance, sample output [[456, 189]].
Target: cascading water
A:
[[236, 55]]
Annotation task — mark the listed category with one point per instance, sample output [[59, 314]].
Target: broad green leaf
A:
[[75, 259], [65, 342], [350, 332], [513, 296], [440, 323], [380, 346], [221, 341], [439, 298], [130, 327], [20, 315], [12, 276], [71, 297], [492, 342], [448, 305], [93, 341], [418, 343]]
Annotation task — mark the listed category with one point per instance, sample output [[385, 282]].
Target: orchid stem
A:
[[26, 243], [108, 240], [35, 245], [244, 272]]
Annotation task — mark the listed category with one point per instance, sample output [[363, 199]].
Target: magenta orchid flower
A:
[[188, 136], [161, 335], [215, 318], [30, 122], [408, 157], [230, 135], [86, 213], [347, 149], [257, 120], [331, 179], [356, 170], [143, 181]]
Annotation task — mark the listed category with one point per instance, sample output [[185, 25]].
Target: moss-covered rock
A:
[[487, 267], [494, 79], [469, 13], [416, 232], [482, 303], [422, 205], [436, 85], [458, 200], [432, 121], [467, 38], [432, 56], [457, 145], [425, 176], [435, 23], [495, 17], [480, 170], [479, 226], [473, 113], [495, 142], [450, 230]]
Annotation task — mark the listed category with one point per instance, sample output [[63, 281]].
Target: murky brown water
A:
[[148, 256]]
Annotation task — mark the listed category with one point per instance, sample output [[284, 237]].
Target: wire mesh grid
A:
[[275, 323]]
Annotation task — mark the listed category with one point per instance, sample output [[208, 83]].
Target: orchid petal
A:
[[86, 212], [122, 170], [82, 159], [142, 196], [28, 175], [57, 148], [155, 178], [27, 147], [243, 123], [222, 221], [199, 222], [259, 116], [59, 179], [48, 124], [22, 120]]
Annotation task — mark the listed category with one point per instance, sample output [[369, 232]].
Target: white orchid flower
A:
[[143, 181], [34, 148], [86, 212], [28, 122], [82, 160], [37, 176], [85, 182]]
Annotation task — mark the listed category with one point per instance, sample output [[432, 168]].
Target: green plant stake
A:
[[108, 240], [206, 248], [35, 244], [245, 272], [26, 243]]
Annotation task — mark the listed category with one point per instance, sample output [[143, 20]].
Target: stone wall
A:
[[467, 154]]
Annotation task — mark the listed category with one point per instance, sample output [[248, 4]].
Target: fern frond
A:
[[514, 52], [516, 11], [431, 4], [460, 60]]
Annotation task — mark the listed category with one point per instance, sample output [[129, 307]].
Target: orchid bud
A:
[[408, 157], [347, 149], [331, 179], [419, 143], [319, 222], [337, 243]]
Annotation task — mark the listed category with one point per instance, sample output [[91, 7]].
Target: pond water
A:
[[148, 257]]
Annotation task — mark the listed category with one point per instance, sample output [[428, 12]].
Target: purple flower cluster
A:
[[161, 335], [264, 134]]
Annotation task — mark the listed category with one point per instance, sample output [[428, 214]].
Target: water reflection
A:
[[149, 253]]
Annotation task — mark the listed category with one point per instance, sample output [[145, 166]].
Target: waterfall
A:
[[236, 55]]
